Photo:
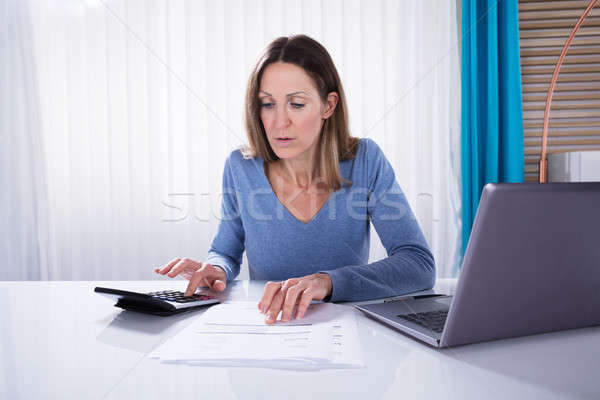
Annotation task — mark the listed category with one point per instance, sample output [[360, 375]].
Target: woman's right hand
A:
[[199, 274]]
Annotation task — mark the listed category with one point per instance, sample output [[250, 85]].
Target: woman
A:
[[300, 197]]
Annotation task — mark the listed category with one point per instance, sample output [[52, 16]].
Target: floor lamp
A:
[[543, 161]]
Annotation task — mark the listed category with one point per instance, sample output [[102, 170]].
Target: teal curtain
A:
[[492, 116]]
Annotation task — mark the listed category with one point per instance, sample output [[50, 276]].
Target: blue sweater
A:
[[335, 241]]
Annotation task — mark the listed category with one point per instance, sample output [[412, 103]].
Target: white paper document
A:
[[235, 334]]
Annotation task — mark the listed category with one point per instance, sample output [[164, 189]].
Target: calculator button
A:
[[179, 297]]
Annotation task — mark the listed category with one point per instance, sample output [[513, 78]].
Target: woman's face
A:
[[291, 110]]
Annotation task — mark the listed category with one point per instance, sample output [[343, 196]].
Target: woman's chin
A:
[[284, 154]]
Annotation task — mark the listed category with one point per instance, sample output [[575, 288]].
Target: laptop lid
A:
[[532, 264]]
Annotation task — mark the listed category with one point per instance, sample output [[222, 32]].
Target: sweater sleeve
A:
[[228, 245], [409, 266]]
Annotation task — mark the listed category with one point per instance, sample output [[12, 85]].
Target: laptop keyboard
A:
[[434, 320]]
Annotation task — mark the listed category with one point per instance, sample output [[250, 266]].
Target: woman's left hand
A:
[[285, 296]]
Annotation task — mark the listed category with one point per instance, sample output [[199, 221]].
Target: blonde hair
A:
[[335, 142]]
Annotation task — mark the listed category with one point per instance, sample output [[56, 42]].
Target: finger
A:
[[291, 297], [194, 282], [212, 277], [219, 272], [167, 267], [305, 299], [185, 262], [274, 308], [215, 284], [289, 283], [218, 285], [271, 288], [216, 277]]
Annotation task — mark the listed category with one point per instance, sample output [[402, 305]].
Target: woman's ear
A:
[[330, 104]]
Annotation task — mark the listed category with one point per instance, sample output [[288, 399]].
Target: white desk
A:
[[59, 340]]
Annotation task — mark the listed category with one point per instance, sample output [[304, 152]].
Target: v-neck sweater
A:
[[335, 241]]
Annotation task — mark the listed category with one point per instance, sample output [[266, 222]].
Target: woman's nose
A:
[[281, 118]]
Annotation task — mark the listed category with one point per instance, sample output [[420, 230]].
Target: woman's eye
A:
[[297, 105], [267, 105]]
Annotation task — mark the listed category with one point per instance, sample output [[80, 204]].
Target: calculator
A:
[[165, 302]]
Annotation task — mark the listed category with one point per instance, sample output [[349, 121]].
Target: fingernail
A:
[[285, 317]]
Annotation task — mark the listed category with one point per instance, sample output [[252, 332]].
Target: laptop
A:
[[532, 265]]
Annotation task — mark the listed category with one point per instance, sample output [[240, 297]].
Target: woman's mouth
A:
[[284, 141]]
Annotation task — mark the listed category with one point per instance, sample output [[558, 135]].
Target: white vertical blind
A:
[[23, 198], [141, 102]]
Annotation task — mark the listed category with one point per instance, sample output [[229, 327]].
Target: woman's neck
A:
[[301, 175], [301, 171]]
